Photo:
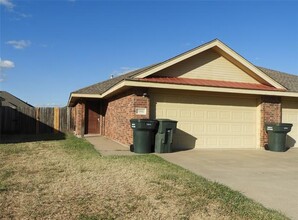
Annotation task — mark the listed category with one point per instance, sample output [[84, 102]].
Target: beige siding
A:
[[208, 121], [290, 115], [208, 65]]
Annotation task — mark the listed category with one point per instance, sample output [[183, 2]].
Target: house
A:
[[219, 99], [11, 101]]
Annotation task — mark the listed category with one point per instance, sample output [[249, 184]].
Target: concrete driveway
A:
[[270, 178]]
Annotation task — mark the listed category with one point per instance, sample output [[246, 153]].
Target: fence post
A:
[[56, 120], [68, 118]]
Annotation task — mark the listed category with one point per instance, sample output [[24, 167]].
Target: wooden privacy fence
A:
[[36, 120]]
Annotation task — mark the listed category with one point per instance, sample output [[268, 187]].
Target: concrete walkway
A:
[[107, 147], [269, 178]]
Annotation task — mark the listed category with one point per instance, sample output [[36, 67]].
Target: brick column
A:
[[80, 119], [270, 113]]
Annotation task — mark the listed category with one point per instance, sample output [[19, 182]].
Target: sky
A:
[[50, 48]]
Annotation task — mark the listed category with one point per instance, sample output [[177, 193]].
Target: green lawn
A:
[[68, 179]]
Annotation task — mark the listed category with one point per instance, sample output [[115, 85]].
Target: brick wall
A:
[[270, 113], [80, 118], [118, 112]]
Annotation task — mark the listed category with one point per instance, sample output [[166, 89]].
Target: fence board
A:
[[36, 120]]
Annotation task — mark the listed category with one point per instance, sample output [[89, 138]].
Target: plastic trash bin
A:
[[277, 136], [164, 135], [143, 135]]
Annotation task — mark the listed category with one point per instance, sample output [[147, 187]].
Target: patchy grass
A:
[[68, 179]]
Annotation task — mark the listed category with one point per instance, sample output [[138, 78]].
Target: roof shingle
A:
[[101, 87], [287, 80]]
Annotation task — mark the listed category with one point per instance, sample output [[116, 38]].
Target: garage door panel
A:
[[171, 113], [204, 123], [198, 129], [225, 141], [199, 115], [225, 115], [290, 115], [249, 116], [185, 126], [224, 128], [185, 114]]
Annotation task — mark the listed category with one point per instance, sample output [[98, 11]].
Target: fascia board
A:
[[81, 95], [114, 88]]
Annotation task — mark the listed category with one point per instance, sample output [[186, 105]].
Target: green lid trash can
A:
[[164, 135], [277, 136], [143, 135]]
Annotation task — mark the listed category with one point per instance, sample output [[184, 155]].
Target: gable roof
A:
[[10, 100], [289, 81], [274, 79], [223, 50]]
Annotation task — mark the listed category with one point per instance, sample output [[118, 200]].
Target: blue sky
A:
[[51, 48]]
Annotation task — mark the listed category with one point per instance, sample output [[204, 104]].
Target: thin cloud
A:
[[7, 4], [19, 44], [122, 70], [16, 15], [5, 64]]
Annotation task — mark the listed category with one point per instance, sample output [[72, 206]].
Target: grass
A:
[[68, 179]]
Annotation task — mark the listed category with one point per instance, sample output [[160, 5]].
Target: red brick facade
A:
[[118, 112], [270, 113], [115, 115], [80, 118]]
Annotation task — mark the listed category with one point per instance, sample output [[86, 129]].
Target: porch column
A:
[[80, 118]]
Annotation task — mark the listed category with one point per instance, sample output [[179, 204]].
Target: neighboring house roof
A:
[[275, 80], [10, 100]]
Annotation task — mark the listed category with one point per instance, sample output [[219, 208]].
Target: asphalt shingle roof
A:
[[287, 80], [10, 100], [101, 87]]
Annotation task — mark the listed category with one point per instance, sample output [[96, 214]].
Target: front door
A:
[[92, 116]]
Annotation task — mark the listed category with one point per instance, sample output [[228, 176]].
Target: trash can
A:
[[143, 135], [277, 136], [164, 135]]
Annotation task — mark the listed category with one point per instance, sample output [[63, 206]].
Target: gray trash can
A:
[[277, 136], [164, 135]]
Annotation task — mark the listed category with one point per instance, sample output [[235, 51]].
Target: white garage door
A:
[[208, 121], [290, 115]]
